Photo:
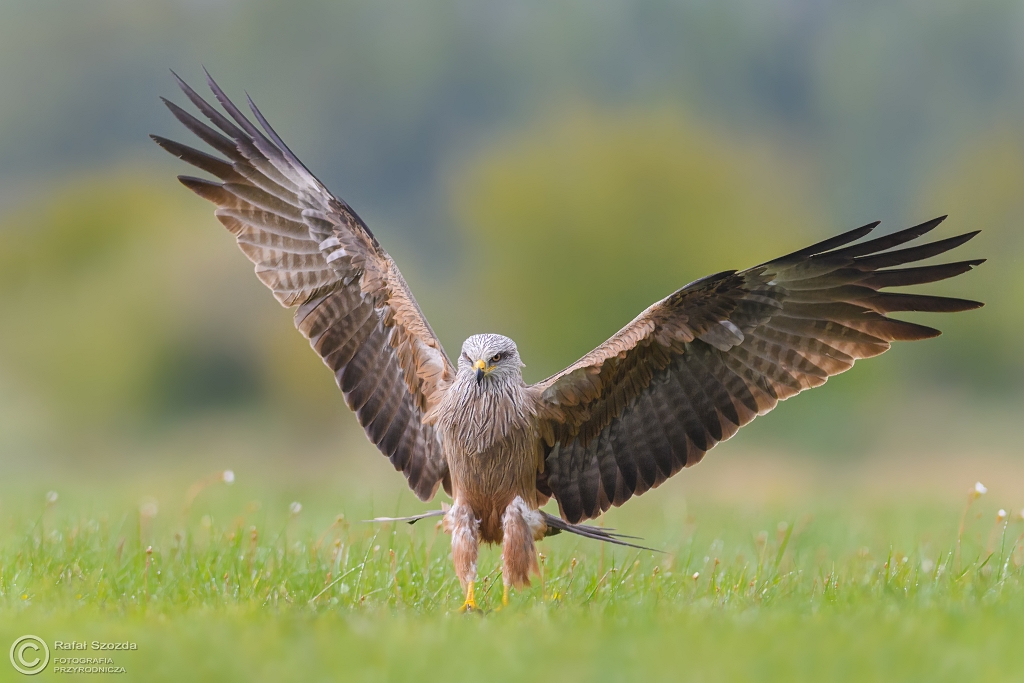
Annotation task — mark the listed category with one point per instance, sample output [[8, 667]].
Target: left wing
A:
[[696, 366]]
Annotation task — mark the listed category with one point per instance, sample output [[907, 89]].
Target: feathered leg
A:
[[464, 527], [520, 526]]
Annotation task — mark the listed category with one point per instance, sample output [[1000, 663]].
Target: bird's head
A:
[[490, 358]]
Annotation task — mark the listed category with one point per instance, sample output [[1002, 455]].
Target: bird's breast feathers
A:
[[476, 418]]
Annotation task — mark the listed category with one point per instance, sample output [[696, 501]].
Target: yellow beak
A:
[[481, 370]]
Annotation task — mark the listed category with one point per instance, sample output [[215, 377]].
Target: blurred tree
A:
[[124, 303], [573, 227], [982, 188]]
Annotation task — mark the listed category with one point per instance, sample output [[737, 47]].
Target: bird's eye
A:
[[496, 358]]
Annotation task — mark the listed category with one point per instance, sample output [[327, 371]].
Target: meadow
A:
[[771, 569]]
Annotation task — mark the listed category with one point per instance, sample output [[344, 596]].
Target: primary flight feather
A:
[[684, 375]]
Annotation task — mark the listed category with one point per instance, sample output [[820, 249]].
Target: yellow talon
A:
[[504, 597], [470, 604]]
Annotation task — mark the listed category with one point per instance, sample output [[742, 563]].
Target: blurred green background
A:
[[543, 170]]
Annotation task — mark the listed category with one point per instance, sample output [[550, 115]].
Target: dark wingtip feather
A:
[[889, 241], [166, 144], [904, 277], [209, 111], [201, 160], [892, 302], [273, 135], [204, 132], [185, 87], [230, 107], [901, 330], [918, 253], [207, 189], [831, 243]]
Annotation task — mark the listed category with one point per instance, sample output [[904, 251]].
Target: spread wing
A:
[[313, 251], [693, 368]]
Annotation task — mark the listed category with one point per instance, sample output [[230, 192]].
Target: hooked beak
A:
[[480, 370]]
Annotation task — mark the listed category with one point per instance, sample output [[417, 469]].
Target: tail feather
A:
[[557, 525], [412, 519]]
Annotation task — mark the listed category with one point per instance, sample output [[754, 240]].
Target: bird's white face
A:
[[490, 359]]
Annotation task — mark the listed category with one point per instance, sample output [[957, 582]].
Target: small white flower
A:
[[696, 575], [1001, 515], [228, 477], [51, 497], [148, 508], [980, 488], [295, 507]]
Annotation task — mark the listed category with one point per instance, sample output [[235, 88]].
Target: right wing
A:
[[313, 251]]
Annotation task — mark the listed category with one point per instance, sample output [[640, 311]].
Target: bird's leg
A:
[[520, 526], [464, 527]]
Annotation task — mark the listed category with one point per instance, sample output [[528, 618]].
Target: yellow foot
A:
[[504, 598], [470, 604]]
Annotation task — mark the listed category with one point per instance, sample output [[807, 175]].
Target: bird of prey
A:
[[685, 374]]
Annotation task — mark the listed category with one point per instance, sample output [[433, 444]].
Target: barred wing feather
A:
[[315, 253], [693, 368]]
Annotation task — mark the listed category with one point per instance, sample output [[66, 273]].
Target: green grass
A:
[[238, 588]]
